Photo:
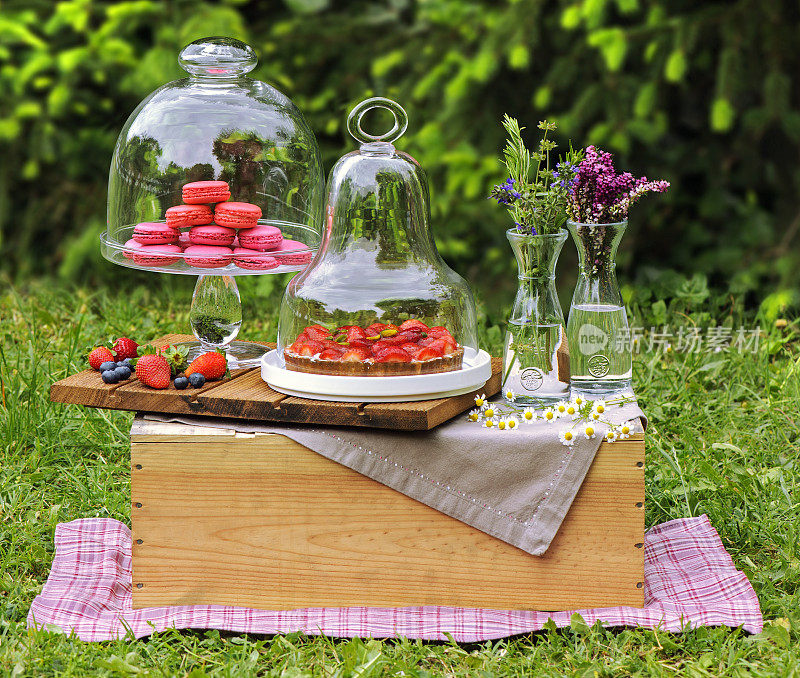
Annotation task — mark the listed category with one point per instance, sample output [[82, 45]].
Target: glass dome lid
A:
[[217, 124], [377, 267]]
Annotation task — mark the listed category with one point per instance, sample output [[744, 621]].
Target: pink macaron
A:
[[212, 235], [155, 233], [156, 255], [237, 215], [260, 238], [293, 253], [130, 245], [208, 256], [184, 216], [205, 192], [254, 260]]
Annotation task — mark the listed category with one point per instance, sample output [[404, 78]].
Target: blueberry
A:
[[110, 376], [196, 380], [129, 363], [107, 365], [181, 383], [123, 372], [120, 363]]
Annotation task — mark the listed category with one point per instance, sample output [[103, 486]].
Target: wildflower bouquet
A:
[[592, 190], [527, 194]]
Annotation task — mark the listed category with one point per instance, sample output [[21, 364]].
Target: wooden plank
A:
[[245, 395], [265, 522]]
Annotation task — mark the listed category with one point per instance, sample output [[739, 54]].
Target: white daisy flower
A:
[[623, 432], [501, 424], [572, 411], [510, 395], [610, 436], [529, 415], [488, 423], [512, 422], [599, 406], [489, 412], [549, 415], [589, 432], [561, 408], [595, 416], [567, 437], [578, 400], [480, 400], [474, 415]]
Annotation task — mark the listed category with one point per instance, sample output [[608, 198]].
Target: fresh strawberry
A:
[[212, 365], [393, 355], [153, 371], [414, 324], [438, 331], [331, 344], [125, 348], [309, 348], [98, 356], [360, 343], [355, 355], [428, 353], [330, 354], [317, 332], [176, 357]]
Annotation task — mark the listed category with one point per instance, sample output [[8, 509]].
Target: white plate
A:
[[475, 371]]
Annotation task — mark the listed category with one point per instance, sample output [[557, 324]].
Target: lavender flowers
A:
[[595, 193]]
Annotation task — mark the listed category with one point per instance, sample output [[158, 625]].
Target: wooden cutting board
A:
[[245, 395]]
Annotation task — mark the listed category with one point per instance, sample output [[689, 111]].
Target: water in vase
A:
[[600, 351], [531, 363]]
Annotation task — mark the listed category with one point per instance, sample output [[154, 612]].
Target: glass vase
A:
[[599, 336], [535, 359]]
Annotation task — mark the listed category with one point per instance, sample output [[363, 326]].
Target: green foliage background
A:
[[700, 93]]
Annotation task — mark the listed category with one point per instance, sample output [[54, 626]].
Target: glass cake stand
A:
[[216, 311]]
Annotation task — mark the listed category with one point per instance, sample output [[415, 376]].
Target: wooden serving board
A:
[[245, 395]]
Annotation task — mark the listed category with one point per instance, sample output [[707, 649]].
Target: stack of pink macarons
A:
[[212, 232]]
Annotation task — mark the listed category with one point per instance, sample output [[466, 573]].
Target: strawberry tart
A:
[[378, 350]]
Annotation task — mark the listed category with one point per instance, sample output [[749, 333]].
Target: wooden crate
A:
[[260, 521]]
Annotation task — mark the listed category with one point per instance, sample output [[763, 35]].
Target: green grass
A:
[[723, 440]]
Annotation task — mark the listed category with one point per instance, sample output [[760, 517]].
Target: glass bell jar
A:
[[216, 175], [377, 299]]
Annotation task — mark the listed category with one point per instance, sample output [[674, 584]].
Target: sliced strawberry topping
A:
[[360, 343], [309, 348], [428, 353], [330, 354], [393, 355], [439, 331], [446, 346], [352, 333], [411, 349], [413, 324], [375, 328], [317, 332], [355, 355]]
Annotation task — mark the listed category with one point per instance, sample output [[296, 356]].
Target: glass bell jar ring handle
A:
[[360, 110]]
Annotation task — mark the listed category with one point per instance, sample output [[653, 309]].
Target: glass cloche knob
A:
[[357, 114], [217, 58]]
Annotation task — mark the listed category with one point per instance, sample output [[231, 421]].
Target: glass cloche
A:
[[215, 175], [377, 299]]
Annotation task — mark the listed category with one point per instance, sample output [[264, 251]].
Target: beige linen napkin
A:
[[514, 485]]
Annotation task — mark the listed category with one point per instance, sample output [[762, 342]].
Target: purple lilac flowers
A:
[[596, 194]]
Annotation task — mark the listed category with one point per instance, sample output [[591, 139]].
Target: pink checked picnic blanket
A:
[[690, 580]]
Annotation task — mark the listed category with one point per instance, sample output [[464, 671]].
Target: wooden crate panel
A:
[[246, 396], [258, 520]]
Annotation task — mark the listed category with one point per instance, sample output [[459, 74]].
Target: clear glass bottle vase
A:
[[535, 358], [599, 336]]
